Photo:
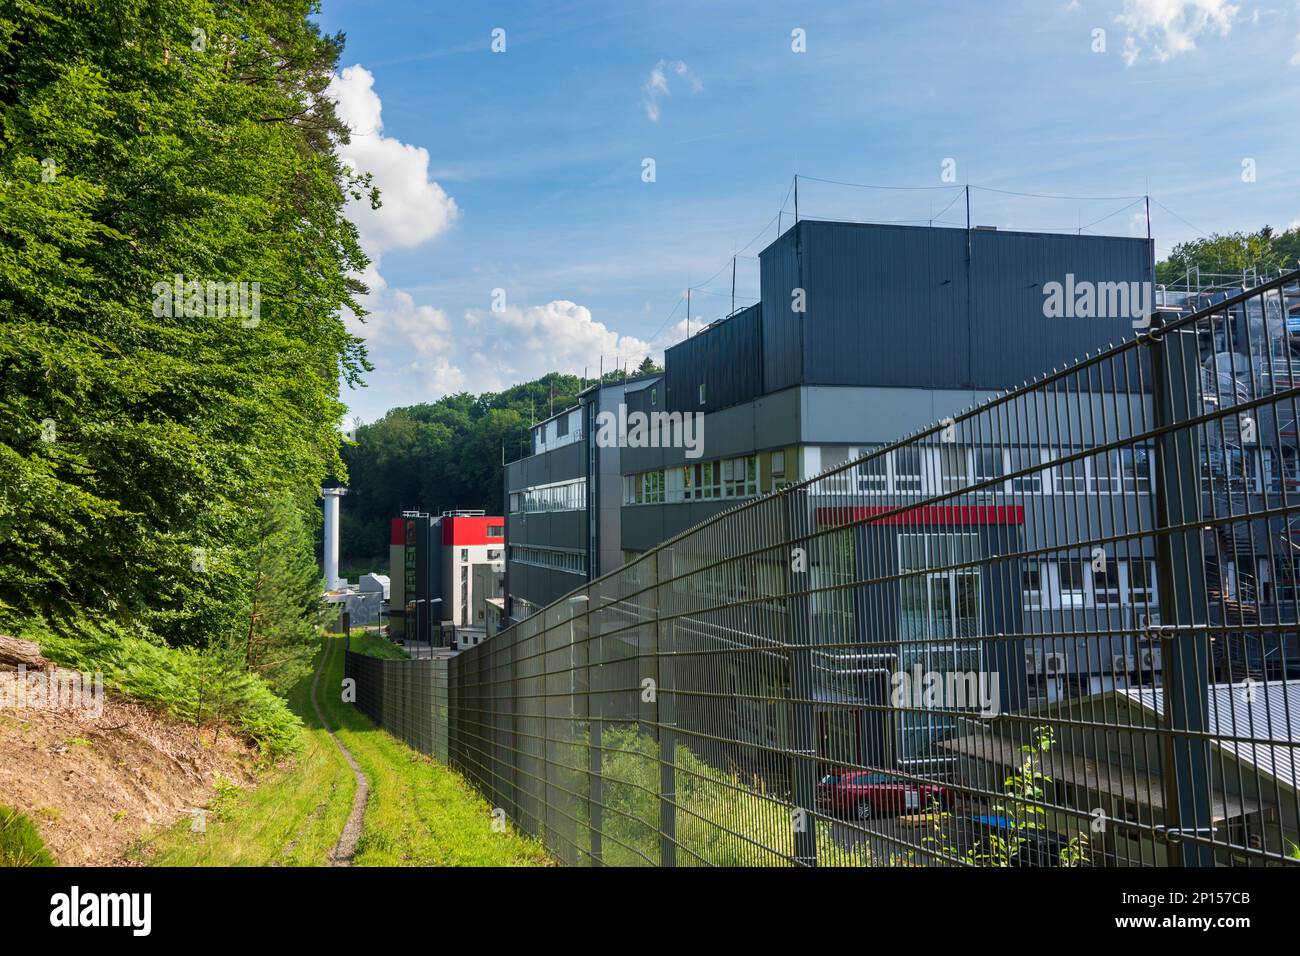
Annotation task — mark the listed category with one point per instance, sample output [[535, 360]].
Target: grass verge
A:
[[420, 812], [376, 645]]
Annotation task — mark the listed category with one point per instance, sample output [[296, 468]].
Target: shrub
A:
[[205, 688]]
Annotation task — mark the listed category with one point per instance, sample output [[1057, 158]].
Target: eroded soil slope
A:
[[94, 784]]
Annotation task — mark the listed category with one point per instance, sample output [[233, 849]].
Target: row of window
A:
[[726, 478], [1075, 583], [564, 429], [917, 470], [559, 559], [560, 496]]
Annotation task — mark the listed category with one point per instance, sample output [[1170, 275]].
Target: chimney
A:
[[330, 559]]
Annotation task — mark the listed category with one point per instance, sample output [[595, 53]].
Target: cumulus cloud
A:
[[518, 344], [415, 208], [1163, 29], [659, 85]]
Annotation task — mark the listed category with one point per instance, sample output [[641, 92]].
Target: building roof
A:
[[1087, 774], [1257, 722]]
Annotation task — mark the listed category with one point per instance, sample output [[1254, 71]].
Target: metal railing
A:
[[1057, 629]]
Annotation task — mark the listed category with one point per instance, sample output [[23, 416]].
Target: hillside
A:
[[95, 784]]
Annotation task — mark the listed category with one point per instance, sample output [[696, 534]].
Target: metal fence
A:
[[408, 698], [1057, 629]]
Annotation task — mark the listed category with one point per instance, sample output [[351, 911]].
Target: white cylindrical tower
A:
[[330, 558]]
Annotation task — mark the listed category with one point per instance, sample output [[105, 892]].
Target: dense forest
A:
[[174, 263]]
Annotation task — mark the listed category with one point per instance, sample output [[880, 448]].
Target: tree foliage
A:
[[140, 452], [1233, 254], [445, 454]]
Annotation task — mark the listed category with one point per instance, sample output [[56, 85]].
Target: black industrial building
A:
[[863, 333]]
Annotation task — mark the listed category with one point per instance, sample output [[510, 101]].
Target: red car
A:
[[869, 793]]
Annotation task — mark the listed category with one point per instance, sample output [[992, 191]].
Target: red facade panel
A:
[[466, 532]]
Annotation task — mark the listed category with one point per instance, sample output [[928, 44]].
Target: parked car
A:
[[864, 794]]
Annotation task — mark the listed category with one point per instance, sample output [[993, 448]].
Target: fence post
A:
[[1180, 578], [803, 745], [665, 720], [596, 713]]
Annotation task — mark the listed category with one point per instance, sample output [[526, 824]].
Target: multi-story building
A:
[[436, 562], [863, 334], [563, 501]]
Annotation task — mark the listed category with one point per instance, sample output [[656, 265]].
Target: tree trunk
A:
[[15, 651]]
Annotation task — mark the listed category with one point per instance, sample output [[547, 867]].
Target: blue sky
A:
[[515, 178]]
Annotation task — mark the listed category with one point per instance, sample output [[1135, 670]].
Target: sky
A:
[[555, 177]]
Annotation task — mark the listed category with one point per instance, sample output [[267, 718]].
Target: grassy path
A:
[[346, 849], [419, 813], [292, 818]]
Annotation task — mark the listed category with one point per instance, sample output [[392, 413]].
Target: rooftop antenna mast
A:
[[733, 284]]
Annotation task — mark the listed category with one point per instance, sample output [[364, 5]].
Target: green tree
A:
[[284, 602], [138, 437], [1233, 254]]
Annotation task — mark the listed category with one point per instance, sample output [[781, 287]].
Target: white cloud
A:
[[520, 344], [659, 83], [396, 320], [415, 209], [1164, 29]]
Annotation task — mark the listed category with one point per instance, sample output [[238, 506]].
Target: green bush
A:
[[20, 843], [201, 687]]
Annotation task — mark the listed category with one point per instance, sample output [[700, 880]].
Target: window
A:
[[907, 471], [873, 472], [701, 393], [953, 467], [514, 502], [1023, 460], [1105, 586], [561, 496], [1135, 469], [1071, 476], [1141, 582], [557, 558], [836, 457], [712, 479], [1104, 473], [1031, 582], [496, 531], [989, 464], [1070, 578], [674, 485], [778, 464], [654, 397]]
